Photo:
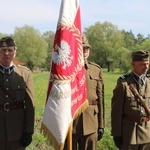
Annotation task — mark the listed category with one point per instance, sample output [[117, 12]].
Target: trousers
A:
[[145, 146], [11, 145]]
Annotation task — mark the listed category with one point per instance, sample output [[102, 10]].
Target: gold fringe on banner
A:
[[47, 134]]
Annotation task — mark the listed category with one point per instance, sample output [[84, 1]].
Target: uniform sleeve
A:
[[100, 94], [29, 104], [117, 109]]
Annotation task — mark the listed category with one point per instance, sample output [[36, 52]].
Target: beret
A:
[[8, 41], [141, 55]]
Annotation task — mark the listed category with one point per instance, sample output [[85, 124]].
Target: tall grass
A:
[[40, 88]]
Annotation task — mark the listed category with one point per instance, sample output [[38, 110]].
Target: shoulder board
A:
[[23, 67], [124, 76], [92, 63]]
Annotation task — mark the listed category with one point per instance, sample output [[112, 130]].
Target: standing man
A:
[[130, 113], [88, 128], [16, 100]]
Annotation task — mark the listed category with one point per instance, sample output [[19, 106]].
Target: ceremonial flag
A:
[[66, 95]]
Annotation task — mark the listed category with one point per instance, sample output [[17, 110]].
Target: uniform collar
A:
[[86, 64], [139, 79], [6, 70]]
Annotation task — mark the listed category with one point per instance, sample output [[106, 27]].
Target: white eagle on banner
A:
[[62, 55]]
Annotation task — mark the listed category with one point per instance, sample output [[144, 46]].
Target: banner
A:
[[66, 95]]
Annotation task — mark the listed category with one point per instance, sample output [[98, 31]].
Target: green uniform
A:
[[128, 117], [86, 125]]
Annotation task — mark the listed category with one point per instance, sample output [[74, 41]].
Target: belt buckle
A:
[[6, 106]]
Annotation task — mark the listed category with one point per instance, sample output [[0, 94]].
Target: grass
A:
[[40, 85]]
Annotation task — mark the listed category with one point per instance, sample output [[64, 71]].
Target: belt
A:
[[11, 106], [136, 119], [93, 102]]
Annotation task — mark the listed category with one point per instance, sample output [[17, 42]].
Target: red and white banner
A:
[[66, 95]]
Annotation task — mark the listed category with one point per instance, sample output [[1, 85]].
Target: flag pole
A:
[[69, 139]]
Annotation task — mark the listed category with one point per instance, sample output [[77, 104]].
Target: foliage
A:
[[110, 47], [105, 40], [3, 35], [144, 45], [40, 85], [49, 38], [31, 46], [123, 57], [129, 40]]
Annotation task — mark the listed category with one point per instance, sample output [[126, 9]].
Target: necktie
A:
[[140, 81]]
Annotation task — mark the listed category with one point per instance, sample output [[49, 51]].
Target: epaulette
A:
[[124, 76], [92, 63], [23, 67]]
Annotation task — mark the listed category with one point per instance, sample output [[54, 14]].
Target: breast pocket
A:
[[19, 90], [132, 101], [93, 81]]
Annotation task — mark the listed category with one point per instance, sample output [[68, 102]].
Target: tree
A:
[[129, 39], [3, 35], [31, 46], [140, 38], [105, 39], [124, 58], [49, 38], [145, 45]]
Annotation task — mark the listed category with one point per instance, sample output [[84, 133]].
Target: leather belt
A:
[[136, 119], [93, 102], [11, 106]]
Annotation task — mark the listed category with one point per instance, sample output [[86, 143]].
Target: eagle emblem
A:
[[62, 54]]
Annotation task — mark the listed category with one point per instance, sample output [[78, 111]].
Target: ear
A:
[[132, 63], [15, 52]]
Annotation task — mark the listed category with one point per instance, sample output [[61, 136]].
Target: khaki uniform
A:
[[18, 84], [93, 117], [128, 117]]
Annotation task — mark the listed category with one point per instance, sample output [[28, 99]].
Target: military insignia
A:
[[67, 58], [63, 55], [124, 76]]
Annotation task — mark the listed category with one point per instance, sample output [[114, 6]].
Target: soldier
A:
[[16, 100], [88, 128], [131, 105]]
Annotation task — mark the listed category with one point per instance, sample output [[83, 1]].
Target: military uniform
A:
[[93, 117], [129, 119], [16, 103], [16, 100]]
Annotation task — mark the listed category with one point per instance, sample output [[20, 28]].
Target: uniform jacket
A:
[[125, 103], [93, 117], [19, 86]]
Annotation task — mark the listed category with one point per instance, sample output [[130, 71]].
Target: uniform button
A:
[[142, 112], [6, 96], [7, 89], [7, 80], [18, 86]]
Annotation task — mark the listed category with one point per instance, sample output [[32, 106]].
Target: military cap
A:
[[141, 55], [85, 42], [8, 40]]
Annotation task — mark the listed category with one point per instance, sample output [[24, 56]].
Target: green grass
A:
[[40, 88]]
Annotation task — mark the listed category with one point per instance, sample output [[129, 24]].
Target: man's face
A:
[[140, 67], [86, 52], [7, 54]]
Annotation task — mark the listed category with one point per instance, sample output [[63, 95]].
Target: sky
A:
[[130, 15]]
